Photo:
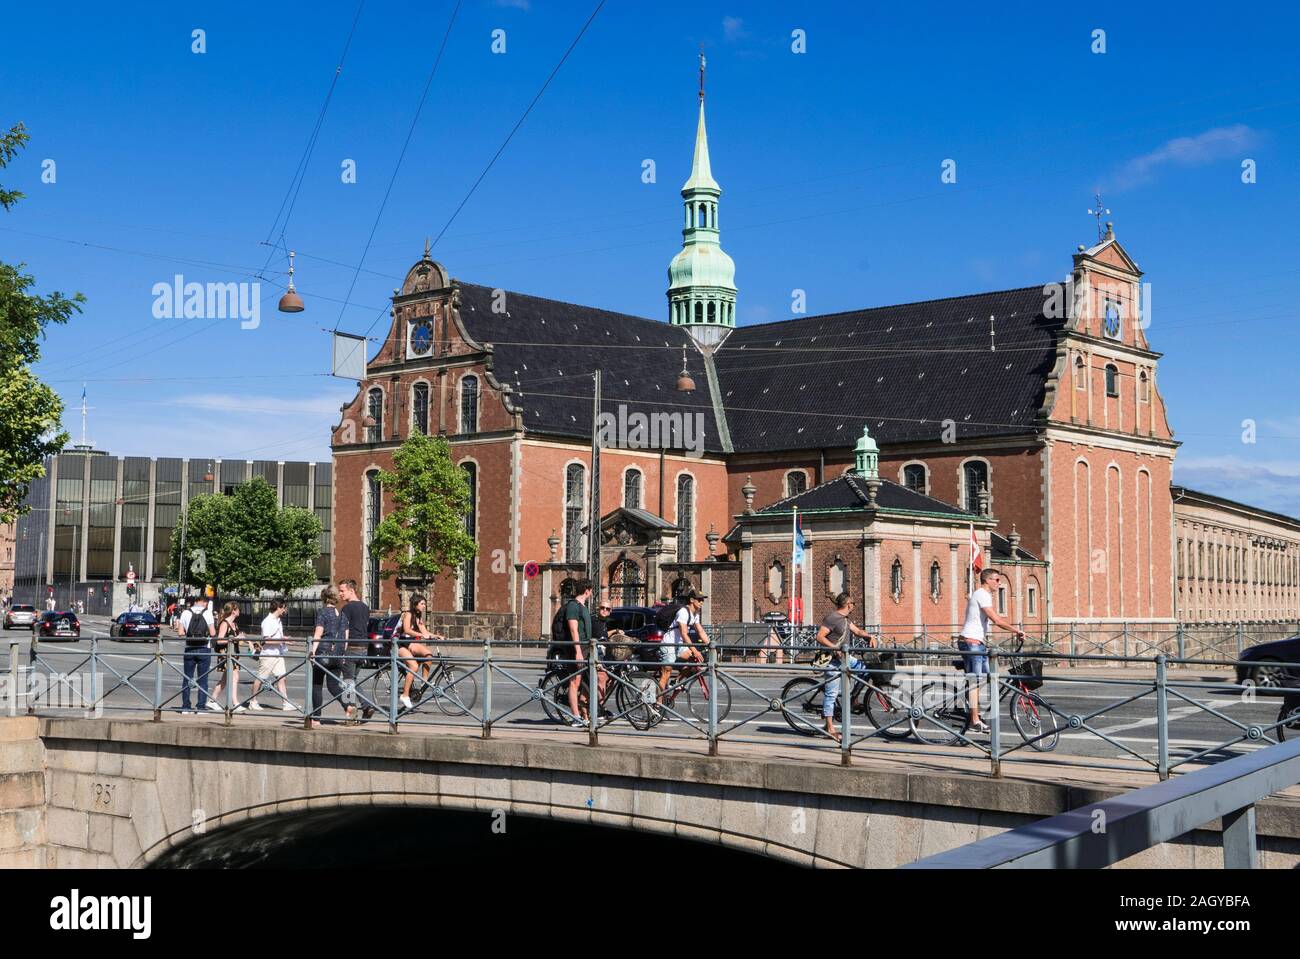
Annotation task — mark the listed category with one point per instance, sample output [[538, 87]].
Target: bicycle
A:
[[454, 690], [871, 694], [942, 716], [644, 705]]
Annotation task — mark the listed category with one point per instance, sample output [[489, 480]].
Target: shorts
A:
[[977, 663], [271, 666], [667, 653]]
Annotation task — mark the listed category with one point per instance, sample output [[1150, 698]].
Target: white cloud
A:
[[1194, 151], [733, 28], [1271, 485]]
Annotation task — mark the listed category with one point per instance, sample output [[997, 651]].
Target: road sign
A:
[[130, 576], [531, 569]]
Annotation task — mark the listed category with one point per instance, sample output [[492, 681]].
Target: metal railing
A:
[[1104, 833], [914, 701]]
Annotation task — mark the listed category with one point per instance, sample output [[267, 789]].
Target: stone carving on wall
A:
[[837, 577], [775, 581]]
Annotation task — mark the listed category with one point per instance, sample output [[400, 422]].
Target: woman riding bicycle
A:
[[409, 635]]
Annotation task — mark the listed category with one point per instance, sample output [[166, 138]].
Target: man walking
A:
[[196, 625], [577, 624], [974, 633], [832, 634], [270, 662], [356, 625]]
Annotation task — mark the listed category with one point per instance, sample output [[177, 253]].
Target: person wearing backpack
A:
[[679, 620], [195, 624], [577, 624]]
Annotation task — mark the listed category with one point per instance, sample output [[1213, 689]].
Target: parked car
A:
[[1270, 665], [135, 626], [638, 622], [58, 625], [20, 614]]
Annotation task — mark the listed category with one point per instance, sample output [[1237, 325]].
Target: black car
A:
[[1270, 665], [135, 626], [58, 625], [638, 622]]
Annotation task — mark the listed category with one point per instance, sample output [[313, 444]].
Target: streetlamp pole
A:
[[593, 523]]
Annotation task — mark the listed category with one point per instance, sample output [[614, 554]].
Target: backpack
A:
[[196, 633], [665, 616]]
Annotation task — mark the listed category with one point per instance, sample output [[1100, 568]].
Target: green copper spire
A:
[[702, 278], [866, 456]]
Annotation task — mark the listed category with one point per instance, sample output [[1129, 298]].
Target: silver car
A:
[[20, 615]]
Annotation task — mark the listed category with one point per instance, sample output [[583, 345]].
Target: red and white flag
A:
[[976, 554]]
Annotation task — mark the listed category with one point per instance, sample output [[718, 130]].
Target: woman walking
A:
[[228, 632], [327, 651]]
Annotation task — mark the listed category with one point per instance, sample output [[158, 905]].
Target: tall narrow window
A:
[[574, 498], [420, 408], [375, 410], [1080, 374], [936, 581], [632, 489], [796, 482], [469, 404], [1002, 600], [1112, 380], [914, 477], [1032, 599], [685, 517], [373, 504], [465, 582], [896, 579], [1144, 387], [976, 477]]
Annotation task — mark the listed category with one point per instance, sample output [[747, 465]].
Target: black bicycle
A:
[[942, 717], [872, 694], [452, 688]]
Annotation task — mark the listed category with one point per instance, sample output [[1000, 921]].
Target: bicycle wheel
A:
[[381, 689], [801, 705], [1289, 716], [887, 708], [1035, 722], [699, 690], [550, 688], [943, 716], [455, 690], [637, 699]]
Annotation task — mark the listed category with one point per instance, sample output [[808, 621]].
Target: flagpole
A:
[[970, 562], [794, 570]]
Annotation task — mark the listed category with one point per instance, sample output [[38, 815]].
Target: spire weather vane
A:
[[701, 73], [1099, 212]]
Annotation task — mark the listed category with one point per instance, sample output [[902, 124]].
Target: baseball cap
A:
[[695, 594]]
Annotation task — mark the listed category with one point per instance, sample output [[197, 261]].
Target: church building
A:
[[1026, 421]]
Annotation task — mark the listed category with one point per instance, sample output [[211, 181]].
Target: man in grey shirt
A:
[[835, 629]]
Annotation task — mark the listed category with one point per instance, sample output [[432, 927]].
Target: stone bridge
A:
[[121, 793]]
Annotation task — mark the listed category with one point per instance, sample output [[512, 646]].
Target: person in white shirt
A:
[[677, 647], [974, 636], [270, 661]]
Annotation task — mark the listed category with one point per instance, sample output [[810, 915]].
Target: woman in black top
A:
[[227, 632], [408, 636]]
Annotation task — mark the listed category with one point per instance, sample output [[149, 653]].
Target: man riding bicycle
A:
[[832, 634], [677, 645]]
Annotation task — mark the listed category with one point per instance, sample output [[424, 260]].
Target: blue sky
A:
[[168, 162]]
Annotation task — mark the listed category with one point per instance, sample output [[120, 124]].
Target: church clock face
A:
[[421, 338], [1112, 324]]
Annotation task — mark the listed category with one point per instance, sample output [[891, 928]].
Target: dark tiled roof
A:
[[849, 491], [1002, 548], [900, 370], [546, 351]]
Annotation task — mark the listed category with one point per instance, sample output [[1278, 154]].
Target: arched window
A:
[[625, 584], [699, 312], [796, 482], [914, 477], [713, 312], [469, 404], [1112, 380], [701, 215], [375, 409], [632, 489], [1144, 387], [420, 408], [1080, 374], [685, 517], [936, 581], [574, 498], [465, 582], [975, 476], [896, 579], [373, 504]]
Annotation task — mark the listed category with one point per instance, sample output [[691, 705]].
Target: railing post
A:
[[32, 660], [1182, 642], [846, 706], [13, 677], [713, 700], [158, 678], [229, 679], [94, 673], [593, 704], [1073, 649], [1239, 839], [995, 715], [309, 665], [1162, 719], [1124, 634], [396, 681], [1241, 641], [487, 690]]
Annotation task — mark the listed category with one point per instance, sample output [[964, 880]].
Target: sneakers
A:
[[979, 727], [577, 724], [406, 702], [187, 712], [240, 709], [288, 707], [214, 707], [255, 705]]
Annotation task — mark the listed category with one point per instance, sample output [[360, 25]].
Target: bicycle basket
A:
[[882, 666], [619, 646], [1028, 672]]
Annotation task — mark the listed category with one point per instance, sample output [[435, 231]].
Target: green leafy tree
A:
[[245, 542], [425, 533], [30, 412]]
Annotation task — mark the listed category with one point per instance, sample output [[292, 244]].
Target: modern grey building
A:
[[94, 517]]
